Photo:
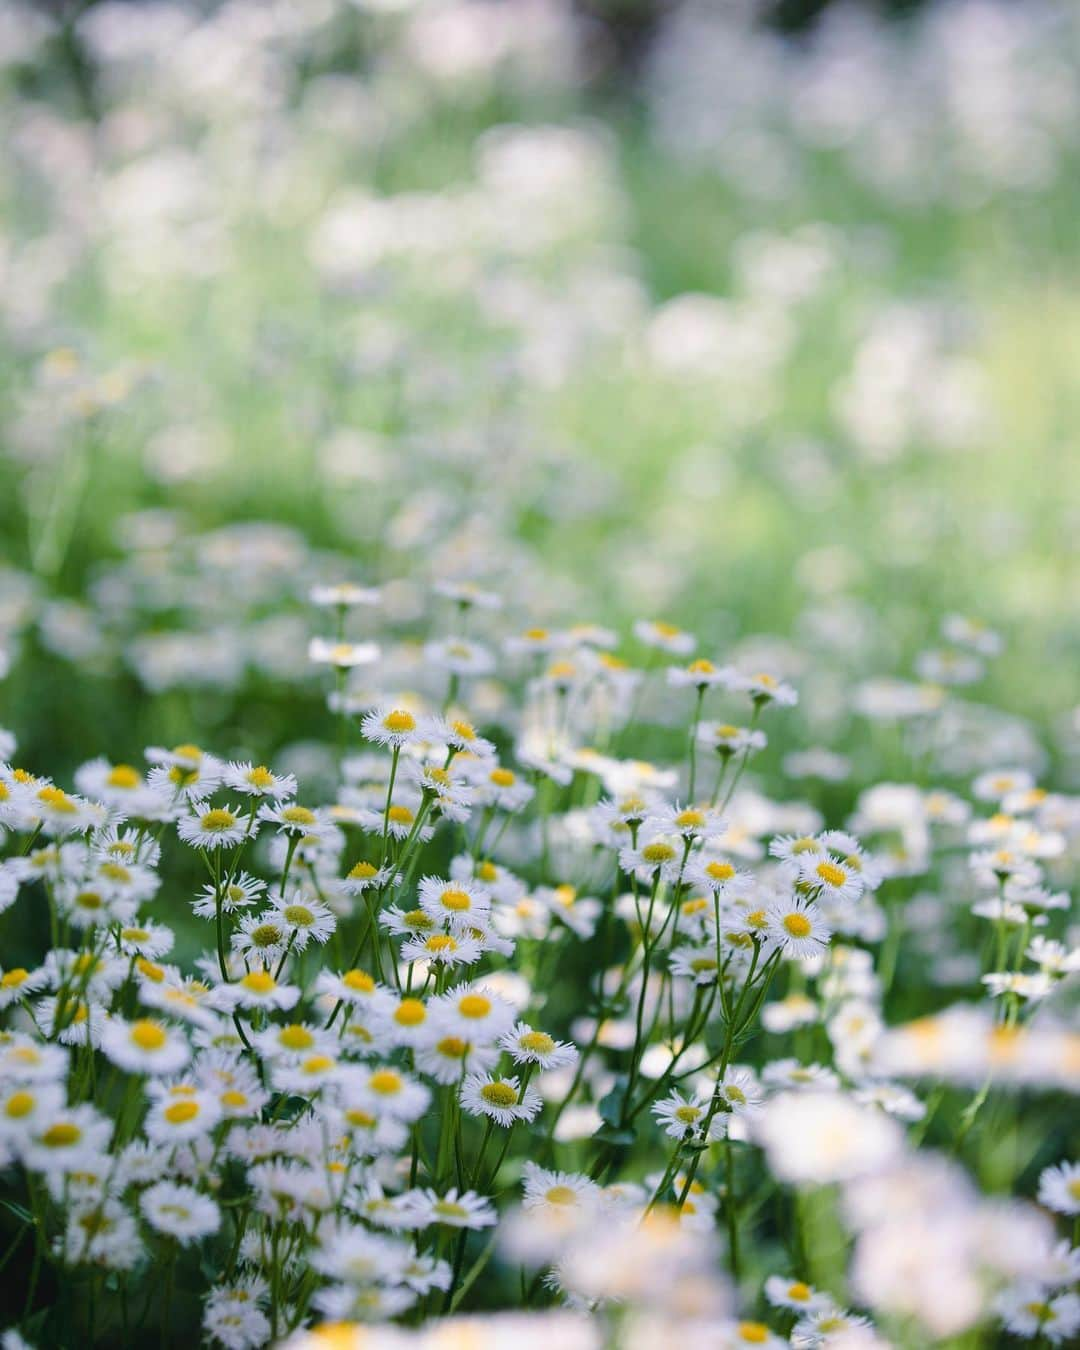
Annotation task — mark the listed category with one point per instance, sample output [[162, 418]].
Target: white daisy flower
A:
[[212, 826], [795, 925], [500, 1099], [527, 1046], [464, 1209], [180, 1212], [560, 1194], [664, 637], [181, 1113], [144, 1046], [683, 1116], [1059, 1188], [446, 1058], [342, 655], [256, 780], [453, 901], [473, 1012], [396, 727]]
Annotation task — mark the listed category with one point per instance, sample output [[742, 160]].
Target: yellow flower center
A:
[[316, 1064], [299, 916], [400, 815], [667, 630], [687, 1114], [474, 1006], [360, 1118], [295, 1037], [499, 1094], [299, 815], [57, 799], [806, 844], [754, 1333], [701, 667], [259, 982], [179, 1113], [798, 925], [441, 942], [266, 935], [416, 918], [658, 852], [487, 871], [148, 1035], [218, 820], [799, 1291], [123, 776], [453, 1047], [538, 1042], [235, 1101], [465, 731], [363, 871], [260, 777], [359, 981], [19, 1104], [399, 722], [11, 979], [502, 778], [385, 1082], [63, 1134], [720, 871], [561, 1195], [455, 898], [700, 964], [410, 1012], [831, 874], [150, 970]]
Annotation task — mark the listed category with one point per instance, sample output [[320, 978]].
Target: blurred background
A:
[[759, 318]]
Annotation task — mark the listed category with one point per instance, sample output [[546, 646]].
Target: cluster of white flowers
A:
[[454, 977]]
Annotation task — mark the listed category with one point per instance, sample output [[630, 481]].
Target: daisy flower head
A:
[[297, 821], [393, 726], [701, 674], [1059, 1188], [263, 936], [690, 821], [23, 1106], [664, 637], [727, 740], [459, 656], [657, 857], [828, 879], [59, 813], [386, 1088], [256, 780], [68, 1139], [528, 1046], [681, 1117], [16, 983], [144, 1046], [464, 1209], [344, 595], [473, 1012], [794, 1294], [342, 655], [501, 787], [502, 1100], [795, 925], [698, 964], [740, 1334], [719, 876], [180, 1212], [467, 594], [559, 1194], [443, 948], [741, 1091], [212, 827], [363, 876], [184, 771], [243, 890], [354, 987], [306, 919], [446, 1058], [822, 1327], [256, 989], [459, 735], [456, 902], [765, 689], [181, 1113], [1030, 1310]]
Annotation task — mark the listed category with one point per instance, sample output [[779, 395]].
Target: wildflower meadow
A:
[[539, 721]]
